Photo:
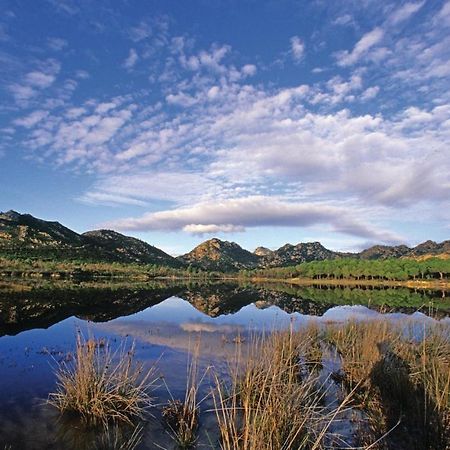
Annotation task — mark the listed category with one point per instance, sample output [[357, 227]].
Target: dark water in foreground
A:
[[38, 328]]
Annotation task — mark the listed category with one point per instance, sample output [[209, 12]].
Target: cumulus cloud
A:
[[57, 44], [32, 119], [131, 59], [370, 93], [369, 40], [297, 48], [141, 31], [405, 12], [40, 79], [238, 214], [35, 81]]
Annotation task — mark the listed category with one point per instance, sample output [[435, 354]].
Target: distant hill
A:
[[22, 235], [427, 249], [215, 254], [25, 236], [384, 252]]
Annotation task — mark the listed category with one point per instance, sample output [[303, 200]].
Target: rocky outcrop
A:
[[217, 255]]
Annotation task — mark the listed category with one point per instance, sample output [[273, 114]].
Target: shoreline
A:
[[350, 282]]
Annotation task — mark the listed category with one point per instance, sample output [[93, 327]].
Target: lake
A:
[[39, 323]]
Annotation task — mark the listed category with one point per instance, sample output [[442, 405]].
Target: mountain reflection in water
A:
[[23, 309]]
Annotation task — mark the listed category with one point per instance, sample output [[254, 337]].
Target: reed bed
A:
[[279, 393], [273, 401], [101, 386]]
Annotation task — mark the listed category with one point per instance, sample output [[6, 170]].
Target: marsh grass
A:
[[404, 381], [182, 417], [272, 402], [118, 437], [100, 386]]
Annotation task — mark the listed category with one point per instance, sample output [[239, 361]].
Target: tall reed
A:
[[271, 402]]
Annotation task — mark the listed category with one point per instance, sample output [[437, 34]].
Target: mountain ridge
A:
[[23, 235]]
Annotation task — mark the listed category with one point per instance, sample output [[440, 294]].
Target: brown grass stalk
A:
[[101, 386]]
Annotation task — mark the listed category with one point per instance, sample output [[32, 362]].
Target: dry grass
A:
[[116, 437], [183, 416], [100, 386], [404, 381], [273, 402]]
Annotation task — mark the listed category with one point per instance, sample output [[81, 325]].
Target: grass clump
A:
[[101, 386], [273, 400], [182, 417]]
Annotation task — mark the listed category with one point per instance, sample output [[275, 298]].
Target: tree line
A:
[[360, 269]]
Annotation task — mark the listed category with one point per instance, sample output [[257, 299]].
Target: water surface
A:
[[38, 327]]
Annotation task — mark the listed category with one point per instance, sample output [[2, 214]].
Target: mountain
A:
[[23, 235], [118, 247], [431, 248], [384, 252], [218, 255], [290, 255], [426, 249]]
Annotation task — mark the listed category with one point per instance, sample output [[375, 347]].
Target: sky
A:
[[254, 121]]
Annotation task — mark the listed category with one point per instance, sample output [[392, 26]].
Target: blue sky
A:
[[261, 122]]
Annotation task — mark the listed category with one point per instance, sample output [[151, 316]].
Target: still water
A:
[[39, 324]]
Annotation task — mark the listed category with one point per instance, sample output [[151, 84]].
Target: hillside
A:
[[289, 255], [117, 247], [218, 255], [24, 236]]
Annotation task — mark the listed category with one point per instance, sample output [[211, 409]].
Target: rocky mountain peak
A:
[[263, 251]]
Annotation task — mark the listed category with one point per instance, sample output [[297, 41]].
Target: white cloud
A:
[[297, 48], [39, 79], [32, 119], [57, 44], [82, 74], [345, 19], [22, 93], [237, 214], [249, 70], [34, 81], [141, 31], [370, 93], [200, 229], [131, 59], [444, 13], [405, 12], [361, 48]]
